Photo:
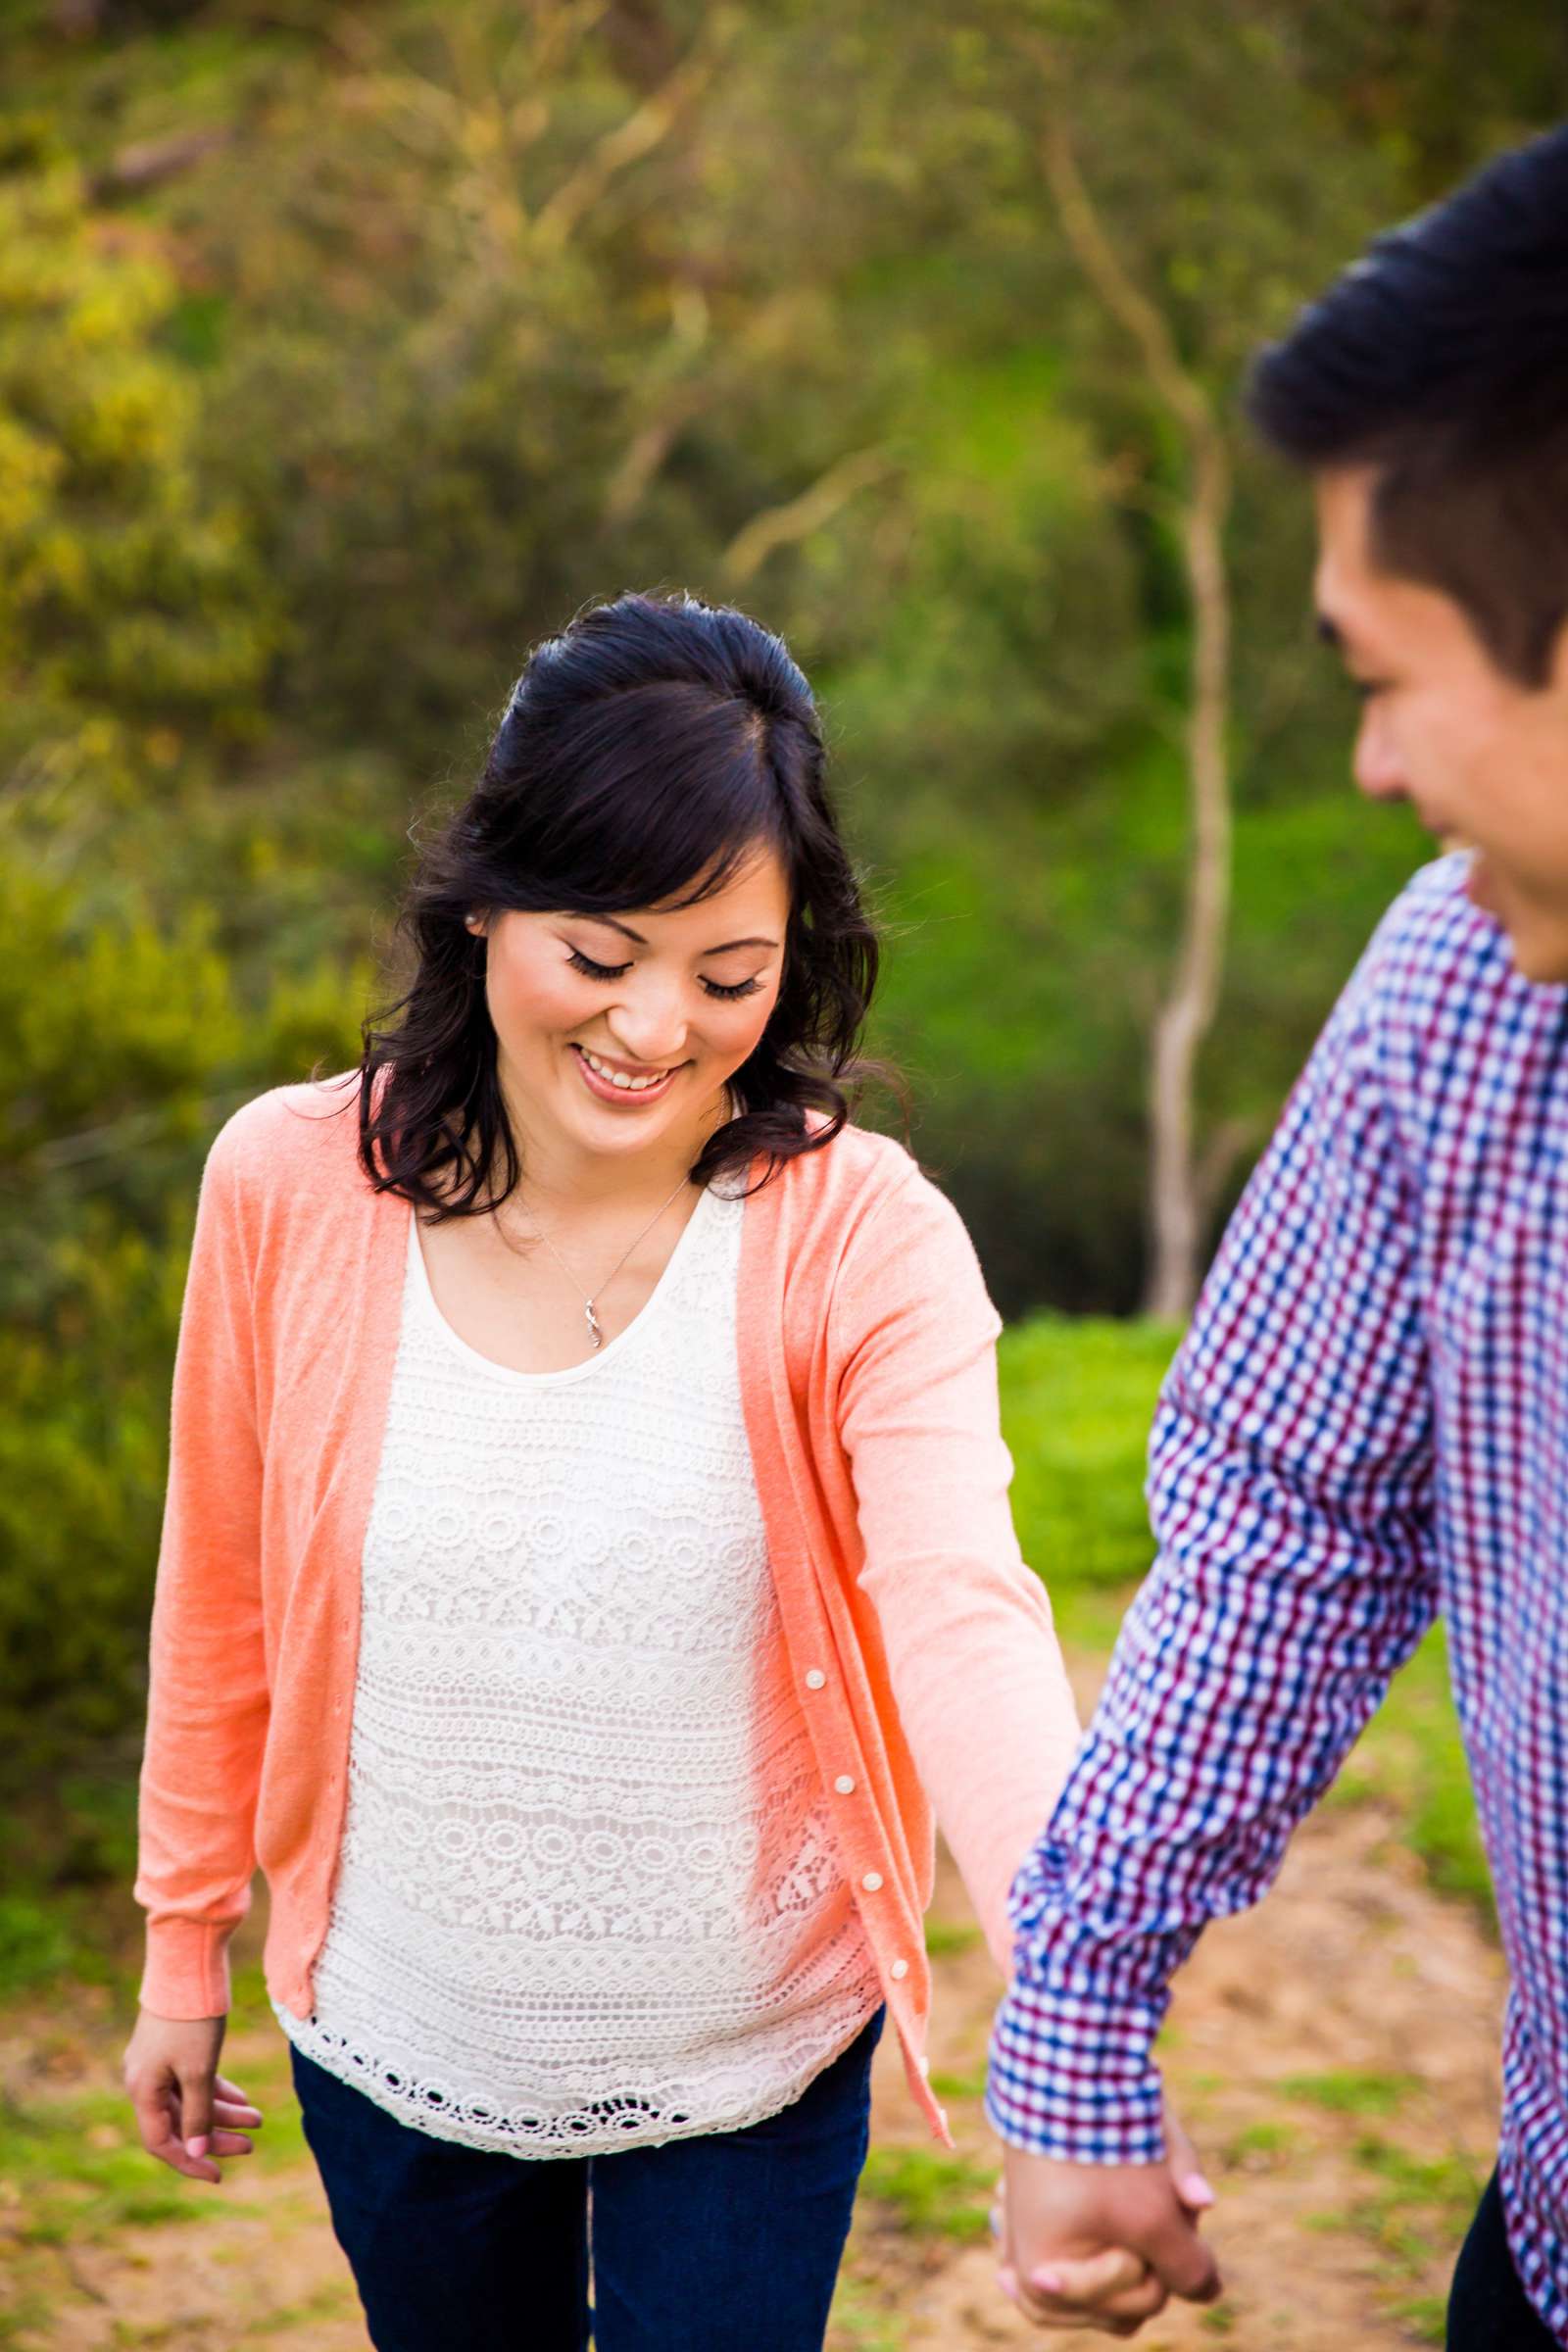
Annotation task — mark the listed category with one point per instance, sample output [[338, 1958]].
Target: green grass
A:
[[1077, 1400], [1414, 2210], [932, 2194], [1348, 2091], [960, 2086], [82, 2173], [945, 1937], [1265, 2139], [857, 2321], [1426, 2317], [1410, 1758], [335, 2301]]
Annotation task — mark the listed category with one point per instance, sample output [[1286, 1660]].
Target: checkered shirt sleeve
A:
[[1290, 1473]]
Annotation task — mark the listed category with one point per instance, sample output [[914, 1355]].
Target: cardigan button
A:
[[844, 1785], [899, 1968], [872, 1880], [925, 2064], [814, 1678]]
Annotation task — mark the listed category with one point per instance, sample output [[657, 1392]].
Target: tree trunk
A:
[[1177, 1206]]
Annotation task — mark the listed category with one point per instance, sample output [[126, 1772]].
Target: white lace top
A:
[[550, 1932]]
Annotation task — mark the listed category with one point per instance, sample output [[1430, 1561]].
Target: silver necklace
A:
[[595, 1327]]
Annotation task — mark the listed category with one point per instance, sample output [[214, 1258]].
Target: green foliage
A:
[[441, 319], [34, 1943], [130, 606]]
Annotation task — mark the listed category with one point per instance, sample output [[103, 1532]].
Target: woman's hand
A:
[[187, 2113]]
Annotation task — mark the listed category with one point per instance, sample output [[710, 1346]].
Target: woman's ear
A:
[[476, 924]]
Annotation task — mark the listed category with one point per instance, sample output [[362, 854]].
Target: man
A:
[[1368, 1421]]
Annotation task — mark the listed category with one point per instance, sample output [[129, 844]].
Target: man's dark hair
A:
[[1441, 360]]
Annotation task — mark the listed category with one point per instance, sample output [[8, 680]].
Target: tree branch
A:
[[644, 129], [786, 526], [145, 165], [1103, 267]]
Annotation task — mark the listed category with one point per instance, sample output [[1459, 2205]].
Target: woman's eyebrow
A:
[[638, 941], [610, 924]]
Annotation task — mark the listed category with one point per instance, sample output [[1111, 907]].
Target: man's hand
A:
[[1105, 2245]]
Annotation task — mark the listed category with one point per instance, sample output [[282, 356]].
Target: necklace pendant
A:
[[595, 1330]]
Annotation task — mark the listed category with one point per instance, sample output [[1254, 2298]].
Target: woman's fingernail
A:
[[1195, 2191], [197, 2146], [1048, 2281]]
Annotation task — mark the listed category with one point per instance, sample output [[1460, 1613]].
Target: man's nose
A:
[[1378, 771]]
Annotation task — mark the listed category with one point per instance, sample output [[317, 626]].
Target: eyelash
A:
[[612, 971]]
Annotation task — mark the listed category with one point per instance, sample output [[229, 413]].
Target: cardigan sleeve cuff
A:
[[186, 1972]]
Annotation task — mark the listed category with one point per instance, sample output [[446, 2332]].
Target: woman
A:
[[586, 1544]]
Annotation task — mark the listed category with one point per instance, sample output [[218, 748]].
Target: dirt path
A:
[[1334, 2053], [1378, 2003]]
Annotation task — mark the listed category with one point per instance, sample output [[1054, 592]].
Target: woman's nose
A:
[[651, 1029]]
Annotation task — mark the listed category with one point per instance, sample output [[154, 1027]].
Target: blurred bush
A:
[[345, 352]]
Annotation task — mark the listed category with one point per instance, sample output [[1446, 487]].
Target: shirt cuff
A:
[[186, 1975], [1072, 2077]]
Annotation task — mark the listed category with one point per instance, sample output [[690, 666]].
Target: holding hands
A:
[[1103, 2245]]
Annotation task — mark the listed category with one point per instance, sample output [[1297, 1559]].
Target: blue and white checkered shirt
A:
[[1367, 1422]]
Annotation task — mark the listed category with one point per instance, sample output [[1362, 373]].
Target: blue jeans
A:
[[1488, 2310], [700, 2245]]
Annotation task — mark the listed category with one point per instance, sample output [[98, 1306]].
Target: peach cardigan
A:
[[921, 1644]]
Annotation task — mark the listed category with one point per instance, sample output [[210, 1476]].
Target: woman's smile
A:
[[616, 1082]]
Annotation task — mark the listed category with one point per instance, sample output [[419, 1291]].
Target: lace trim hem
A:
[[598, 2128]]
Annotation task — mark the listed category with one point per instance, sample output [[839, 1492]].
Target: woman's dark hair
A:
[[1441, 360], [644, 754]]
